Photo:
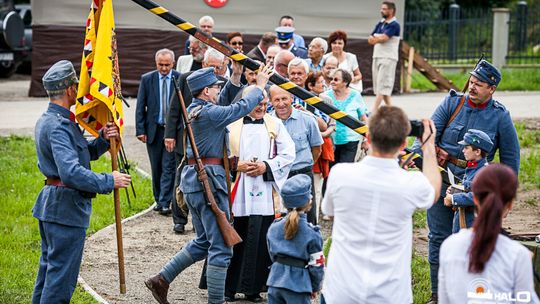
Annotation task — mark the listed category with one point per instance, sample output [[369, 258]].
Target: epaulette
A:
[[314, 227], [499, 105], [454, 93], [279, 219], [302, 47], [194, 113], [63, 120]]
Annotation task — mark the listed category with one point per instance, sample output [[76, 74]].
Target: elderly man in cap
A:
[[457, 114], [64, 205], [209, 122], [285, 35]]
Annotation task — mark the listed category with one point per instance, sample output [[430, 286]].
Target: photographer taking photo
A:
[[372, 233]]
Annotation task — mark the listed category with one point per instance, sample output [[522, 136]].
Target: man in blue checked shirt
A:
[[305, 134]]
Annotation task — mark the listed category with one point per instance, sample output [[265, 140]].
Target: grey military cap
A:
[[60, 76]]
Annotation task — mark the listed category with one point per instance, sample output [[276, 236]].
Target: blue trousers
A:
[[61, 253], [440, 219], [283, 296], [208, 242], [163, 169]]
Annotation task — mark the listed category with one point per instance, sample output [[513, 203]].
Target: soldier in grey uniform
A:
[[479, 111], [209, 122], [64, 204]]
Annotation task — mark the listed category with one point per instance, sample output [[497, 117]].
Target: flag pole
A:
[[118, 214]]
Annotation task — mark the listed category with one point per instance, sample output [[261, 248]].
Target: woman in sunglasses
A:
[[349, 101], [236, 41]]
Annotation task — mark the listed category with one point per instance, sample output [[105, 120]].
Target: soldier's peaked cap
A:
[[60, 76]]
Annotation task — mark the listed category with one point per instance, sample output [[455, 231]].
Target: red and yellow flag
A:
[[99, 93]]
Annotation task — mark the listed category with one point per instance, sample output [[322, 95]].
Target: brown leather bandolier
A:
[[442, 155]]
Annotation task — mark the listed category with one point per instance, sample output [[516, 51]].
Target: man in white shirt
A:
[[372, 203]]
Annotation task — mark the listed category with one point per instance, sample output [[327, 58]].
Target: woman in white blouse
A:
[[346, 60], [481, 265]]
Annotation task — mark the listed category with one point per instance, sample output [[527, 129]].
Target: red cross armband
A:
[[316, 259]]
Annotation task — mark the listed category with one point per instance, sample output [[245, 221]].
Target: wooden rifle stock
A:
[[230, 236]]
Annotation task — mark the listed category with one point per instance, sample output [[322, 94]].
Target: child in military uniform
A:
[[295, 247], [477, 145]]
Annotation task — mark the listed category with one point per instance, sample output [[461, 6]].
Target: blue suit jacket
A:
[[147, 112]]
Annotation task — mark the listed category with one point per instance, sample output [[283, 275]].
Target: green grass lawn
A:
[[20, 183], [512, 80]]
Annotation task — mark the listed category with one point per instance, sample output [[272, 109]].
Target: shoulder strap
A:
[[454, 114], [456, 111]]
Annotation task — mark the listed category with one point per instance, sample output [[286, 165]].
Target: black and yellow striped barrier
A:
[[284, 83]]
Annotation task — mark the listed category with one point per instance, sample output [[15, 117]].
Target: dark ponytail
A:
[[494, 187]]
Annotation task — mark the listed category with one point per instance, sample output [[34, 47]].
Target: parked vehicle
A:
[[25, 11], [13, 45]]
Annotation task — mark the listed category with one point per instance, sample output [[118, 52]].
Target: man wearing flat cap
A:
[[64, 205], [455, 116], [209, 120], [286, 42]]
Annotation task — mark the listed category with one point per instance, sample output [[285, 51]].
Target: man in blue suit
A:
[[153, 101]]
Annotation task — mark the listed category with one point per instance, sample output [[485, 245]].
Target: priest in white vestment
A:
[[265, 154]]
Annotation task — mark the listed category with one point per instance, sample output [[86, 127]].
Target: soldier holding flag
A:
[[63, 206]]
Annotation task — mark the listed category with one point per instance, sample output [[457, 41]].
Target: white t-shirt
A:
[[507, 275], [349, 64], [372, 203]]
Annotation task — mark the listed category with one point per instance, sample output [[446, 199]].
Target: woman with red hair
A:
[[347, 61], [482, 263]]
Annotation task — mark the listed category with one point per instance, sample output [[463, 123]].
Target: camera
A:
[[417, 128]]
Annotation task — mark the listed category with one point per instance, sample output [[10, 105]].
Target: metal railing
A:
[[459, 36], [524, 38]]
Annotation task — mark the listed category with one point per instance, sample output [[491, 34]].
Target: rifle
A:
[[230, 236]]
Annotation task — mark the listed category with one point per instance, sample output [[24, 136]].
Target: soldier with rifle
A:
[[204, 185], [455, 116]]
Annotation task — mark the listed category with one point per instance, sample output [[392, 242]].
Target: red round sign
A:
[[216, 3]]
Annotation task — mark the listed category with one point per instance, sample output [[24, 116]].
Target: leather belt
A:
[[304, 170], [206, 161], [54, 181], [458, 162], [291, 261], [469, 209]]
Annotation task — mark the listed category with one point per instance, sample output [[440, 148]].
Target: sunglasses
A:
[[237, 43], [336, 79]]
